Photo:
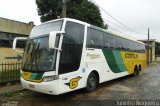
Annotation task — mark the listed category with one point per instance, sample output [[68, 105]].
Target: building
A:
[[152, 49], [9, 29]]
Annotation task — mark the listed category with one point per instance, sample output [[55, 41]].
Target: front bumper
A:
[[43, 87]]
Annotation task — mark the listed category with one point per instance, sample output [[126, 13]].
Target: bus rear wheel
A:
[[92, 82], [136, 71]]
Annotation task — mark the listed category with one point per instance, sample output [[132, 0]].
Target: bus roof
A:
[[95, 27], [116, 34], [104, 30]]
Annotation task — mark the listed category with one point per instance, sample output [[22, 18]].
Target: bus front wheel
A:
[[92, 82]]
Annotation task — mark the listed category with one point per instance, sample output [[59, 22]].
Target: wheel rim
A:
[[135, 73], [92, 82]]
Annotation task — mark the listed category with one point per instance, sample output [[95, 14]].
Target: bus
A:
[[65, 54]]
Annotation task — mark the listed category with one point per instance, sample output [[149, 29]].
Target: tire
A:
[[140, 68], [92, 82], [136, 71]]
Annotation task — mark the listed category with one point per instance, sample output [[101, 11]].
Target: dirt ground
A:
[[145, 87]]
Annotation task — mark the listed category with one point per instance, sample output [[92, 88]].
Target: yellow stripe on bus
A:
[[131, 59]]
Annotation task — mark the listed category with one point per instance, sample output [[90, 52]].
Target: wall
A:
[[11, 26], [158, 59], [9, 29], [153, 51], [8, 52]]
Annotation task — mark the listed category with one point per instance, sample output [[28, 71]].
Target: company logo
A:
[[73, 82], [131, 55], [93, 56]]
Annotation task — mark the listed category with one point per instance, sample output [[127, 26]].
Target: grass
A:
[[6, 76], [16, 93]]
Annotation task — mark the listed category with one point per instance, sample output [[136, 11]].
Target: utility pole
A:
[[148, 47], [63, 8]]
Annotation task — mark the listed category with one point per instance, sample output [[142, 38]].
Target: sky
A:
[[136, 15]]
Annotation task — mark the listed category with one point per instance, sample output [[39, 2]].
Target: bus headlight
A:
[[50, 78]]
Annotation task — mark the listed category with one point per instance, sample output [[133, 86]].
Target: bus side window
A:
[[138, 49], [92, 43], [94, 38], [120, 43], [127, 45], [109, 41], [134, 46], [107, 45], [141, 48]]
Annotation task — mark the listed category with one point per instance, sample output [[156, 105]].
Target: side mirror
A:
[[15, 43], [52, 39]]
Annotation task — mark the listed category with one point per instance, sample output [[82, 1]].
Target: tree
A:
[[78, 9], [105, 26]]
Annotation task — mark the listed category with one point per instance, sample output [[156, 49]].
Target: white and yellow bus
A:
[[64, 55]]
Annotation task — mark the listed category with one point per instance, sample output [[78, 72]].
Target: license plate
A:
[[31, 86]]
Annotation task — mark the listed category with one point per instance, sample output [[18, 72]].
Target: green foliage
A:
[[106, 26], [9, 75], [16, 93], [9, 94], [78, 9]]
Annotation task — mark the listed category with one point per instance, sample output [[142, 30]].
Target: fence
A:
[[9, 72]]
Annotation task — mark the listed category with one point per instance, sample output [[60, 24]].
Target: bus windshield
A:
[[37, 54]]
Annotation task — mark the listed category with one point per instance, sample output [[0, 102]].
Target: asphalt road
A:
[[143, 87]]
